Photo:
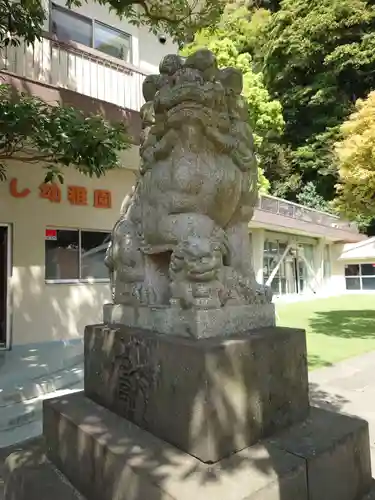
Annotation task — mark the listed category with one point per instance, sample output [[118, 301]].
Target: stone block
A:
[[196, 323], [208, 397], [336, 449], [371, 494], [108, 458], [28, 475]]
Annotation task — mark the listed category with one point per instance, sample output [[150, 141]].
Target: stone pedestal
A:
[[107, 457], [172, 418], [209, 397]]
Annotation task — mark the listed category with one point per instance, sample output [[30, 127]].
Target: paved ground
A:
[[347, 387]]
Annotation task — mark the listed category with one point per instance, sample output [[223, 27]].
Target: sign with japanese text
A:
[[51, 234], [76, 195]]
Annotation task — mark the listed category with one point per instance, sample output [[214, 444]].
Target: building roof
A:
[[363, 250]]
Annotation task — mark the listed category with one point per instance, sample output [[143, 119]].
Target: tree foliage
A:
[[356, 159], [56, 136], [317, 57], [309, 197], [20, 20], [180, 19], [226, 41]]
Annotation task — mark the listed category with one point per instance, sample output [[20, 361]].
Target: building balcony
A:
[[272, 212], [72, 66], [295, 211]]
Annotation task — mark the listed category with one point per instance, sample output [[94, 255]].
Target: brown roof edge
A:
[[277, 222], [89, 105]]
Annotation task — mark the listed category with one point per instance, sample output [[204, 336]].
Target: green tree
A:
[[355, 153], [226, 41], [309, 197], [20, 20], [317, 57], [56, 136], [179, 19]]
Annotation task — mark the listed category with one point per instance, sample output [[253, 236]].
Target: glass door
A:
[[3, 284], [301, 275], [290, 273]]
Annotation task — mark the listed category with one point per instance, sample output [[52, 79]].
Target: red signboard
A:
[[51, 234]]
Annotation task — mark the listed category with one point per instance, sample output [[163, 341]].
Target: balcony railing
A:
[[78, 68], [293, 210]]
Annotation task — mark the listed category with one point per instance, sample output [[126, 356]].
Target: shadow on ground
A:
[[345, 324], [317, 362], [326, 400]]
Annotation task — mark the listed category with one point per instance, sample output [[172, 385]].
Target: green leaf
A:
[[58, 136]]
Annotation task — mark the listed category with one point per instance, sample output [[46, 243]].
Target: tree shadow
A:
[[326, 400], [357, 324], [316, 361], [105, 456], [230, 390]]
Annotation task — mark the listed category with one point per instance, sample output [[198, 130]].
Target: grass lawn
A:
[[337, 327]]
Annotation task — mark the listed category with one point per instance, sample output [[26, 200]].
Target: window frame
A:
[[75, 281], [92, 21], [359, 277]]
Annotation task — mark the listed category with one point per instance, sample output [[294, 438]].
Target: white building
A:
[[52, 278]]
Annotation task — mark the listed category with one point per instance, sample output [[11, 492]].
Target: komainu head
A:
[[194, 100]]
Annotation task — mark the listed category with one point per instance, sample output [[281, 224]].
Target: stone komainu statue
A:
[[182, 237]]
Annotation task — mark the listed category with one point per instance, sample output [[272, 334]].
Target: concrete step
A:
[[22, 421], [28, 475], [25, 387], [20, 434], [29, 389], [29, 374], [33, 361]]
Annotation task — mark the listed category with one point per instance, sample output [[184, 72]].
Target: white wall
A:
[[53, 311], [147, 51], [257, 243], [337, 282]]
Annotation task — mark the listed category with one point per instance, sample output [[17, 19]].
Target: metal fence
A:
[[293, 210]]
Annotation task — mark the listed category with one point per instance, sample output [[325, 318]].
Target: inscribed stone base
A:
[[209, 397], [108, 458], [197, 323]]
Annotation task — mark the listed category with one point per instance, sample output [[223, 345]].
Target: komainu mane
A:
[[182, 240]]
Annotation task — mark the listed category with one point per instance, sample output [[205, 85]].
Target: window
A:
[[360, 276], [69, 26], [368, 269], [111, 41], [351, 270], [72, 254], [295, 272], [353, 283], [273, 251]]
